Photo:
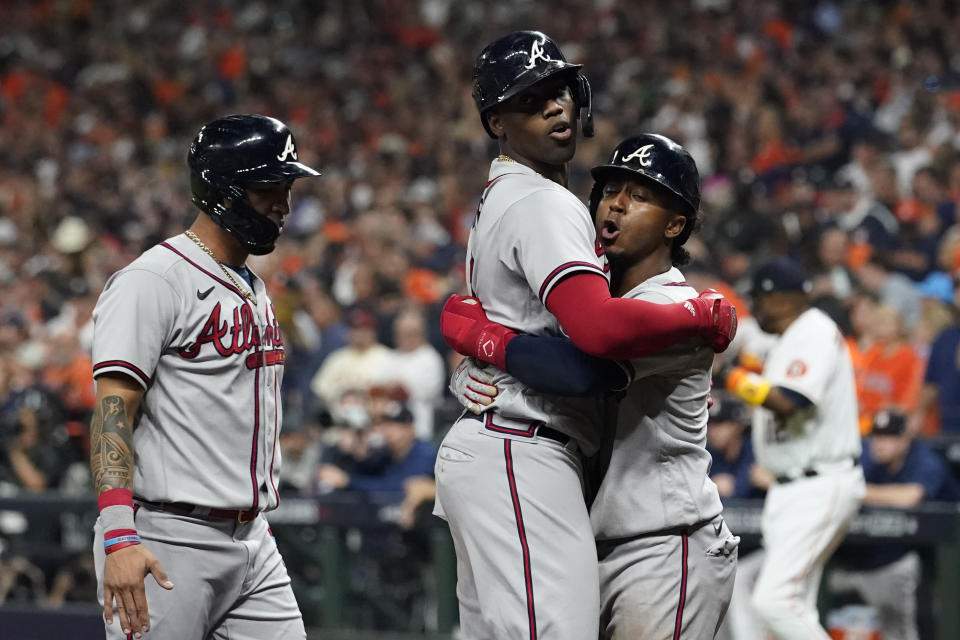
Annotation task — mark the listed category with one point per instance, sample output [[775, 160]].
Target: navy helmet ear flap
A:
[[584, 99]]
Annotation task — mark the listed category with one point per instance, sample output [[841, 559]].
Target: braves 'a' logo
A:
[[642, 155], [536, 53], [288, 150]]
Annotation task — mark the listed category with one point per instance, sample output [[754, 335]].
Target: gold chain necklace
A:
[[243, 290], [505, 158]]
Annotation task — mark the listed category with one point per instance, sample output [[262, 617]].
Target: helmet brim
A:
[[276, 173], [527, 80], [602, 174]]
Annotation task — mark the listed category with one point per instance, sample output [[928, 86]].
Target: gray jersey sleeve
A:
[[547, 236], [133, 322], [676, 359]]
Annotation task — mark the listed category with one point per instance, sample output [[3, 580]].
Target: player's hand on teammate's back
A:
[[718, 318], [123, 575], [467, 330], [471, 386]]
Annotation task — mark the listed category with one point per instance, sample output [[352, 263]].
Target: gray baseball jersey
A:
[[667, 560], [657, 477], [529, 234], [211, 364]]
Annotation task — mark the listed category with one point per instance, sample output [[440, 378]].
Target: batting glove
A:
[[717, 317], [470, 385], [467, 330]]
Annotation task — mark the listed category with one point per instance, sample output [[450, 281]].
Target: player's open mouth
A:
[[609, 231], [562, 131]]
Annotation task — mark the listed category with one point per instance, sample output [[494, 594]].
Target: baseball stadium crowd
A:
[[828, 131]]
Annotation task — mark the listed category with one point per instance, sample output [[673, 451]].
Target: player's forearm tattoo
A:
[[111, 446]]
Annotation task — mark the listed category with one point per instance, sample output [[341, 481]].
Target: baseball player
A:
[[805, 433], [511, 484], [667, 559], [188, 361]]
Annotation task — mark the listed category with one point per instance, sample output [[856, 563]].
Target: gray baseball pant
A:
[[667, 586], [230, 582], [526, 558]]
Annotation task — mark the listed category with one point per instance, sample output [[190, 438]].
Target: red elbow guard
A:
[[467, 330]]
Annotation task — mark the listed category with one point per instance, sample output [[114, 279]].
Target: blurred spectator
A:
[[20, 580], [359, 365], [900, 472], [936, 310], [891, 287], [391, 462], [831, 276], [417, 366], [867, 154], [923, 220], [319, 331], [731, 448], [33, 438], [941, 383], [889, 371], [75, 581], [870, 224], [301, 448]]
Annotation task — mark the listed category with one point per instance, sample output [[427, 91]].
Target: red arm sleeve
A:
[[617, 328]]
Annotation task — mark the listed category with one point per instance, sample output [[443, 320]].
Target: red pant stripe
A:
[[521, 531]]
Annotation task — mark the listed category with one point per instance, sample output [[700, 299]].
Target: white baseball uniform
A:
[[211, 365], [820, 483], [514, 498], [667, 559]]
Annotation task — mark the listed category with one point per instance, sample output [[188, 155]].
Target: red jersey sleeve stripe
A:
[[564, 270], [122, 364]]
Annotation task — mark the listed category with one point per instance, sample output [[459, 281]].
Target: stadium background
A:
[[802, 116]]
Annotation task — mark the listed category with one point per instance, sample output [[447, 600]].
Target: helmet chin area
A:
[[257, 233]]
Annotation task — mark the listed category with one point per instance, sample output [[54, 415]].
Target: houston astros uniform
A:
[[814, 456], [211, 364], [511, 483], [667, 559]]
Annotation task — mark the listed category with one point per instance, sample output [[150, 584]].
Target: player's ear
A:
[[675, 225], [495, 122]]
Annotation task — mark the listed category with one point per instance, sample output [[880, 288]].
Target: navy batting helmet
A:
[[231, 153], [516, 62], [658, 158]]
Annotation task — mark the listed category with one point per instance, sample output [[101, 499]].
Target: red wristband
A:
[[115, 498], [116, 533]]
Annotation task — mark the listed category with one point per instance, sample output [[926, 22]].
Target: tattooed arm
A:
[[111, 432], [111, 463]]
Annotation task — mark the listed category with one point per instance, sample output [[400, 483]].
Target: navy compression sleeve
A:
[[555, 365]]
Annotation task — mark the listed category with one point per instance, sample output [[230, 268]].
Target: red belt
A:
[[187, 509]]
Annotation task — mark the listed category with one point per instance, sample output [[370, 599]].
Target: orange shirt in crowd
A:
[[72, 379], [887, 376]]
